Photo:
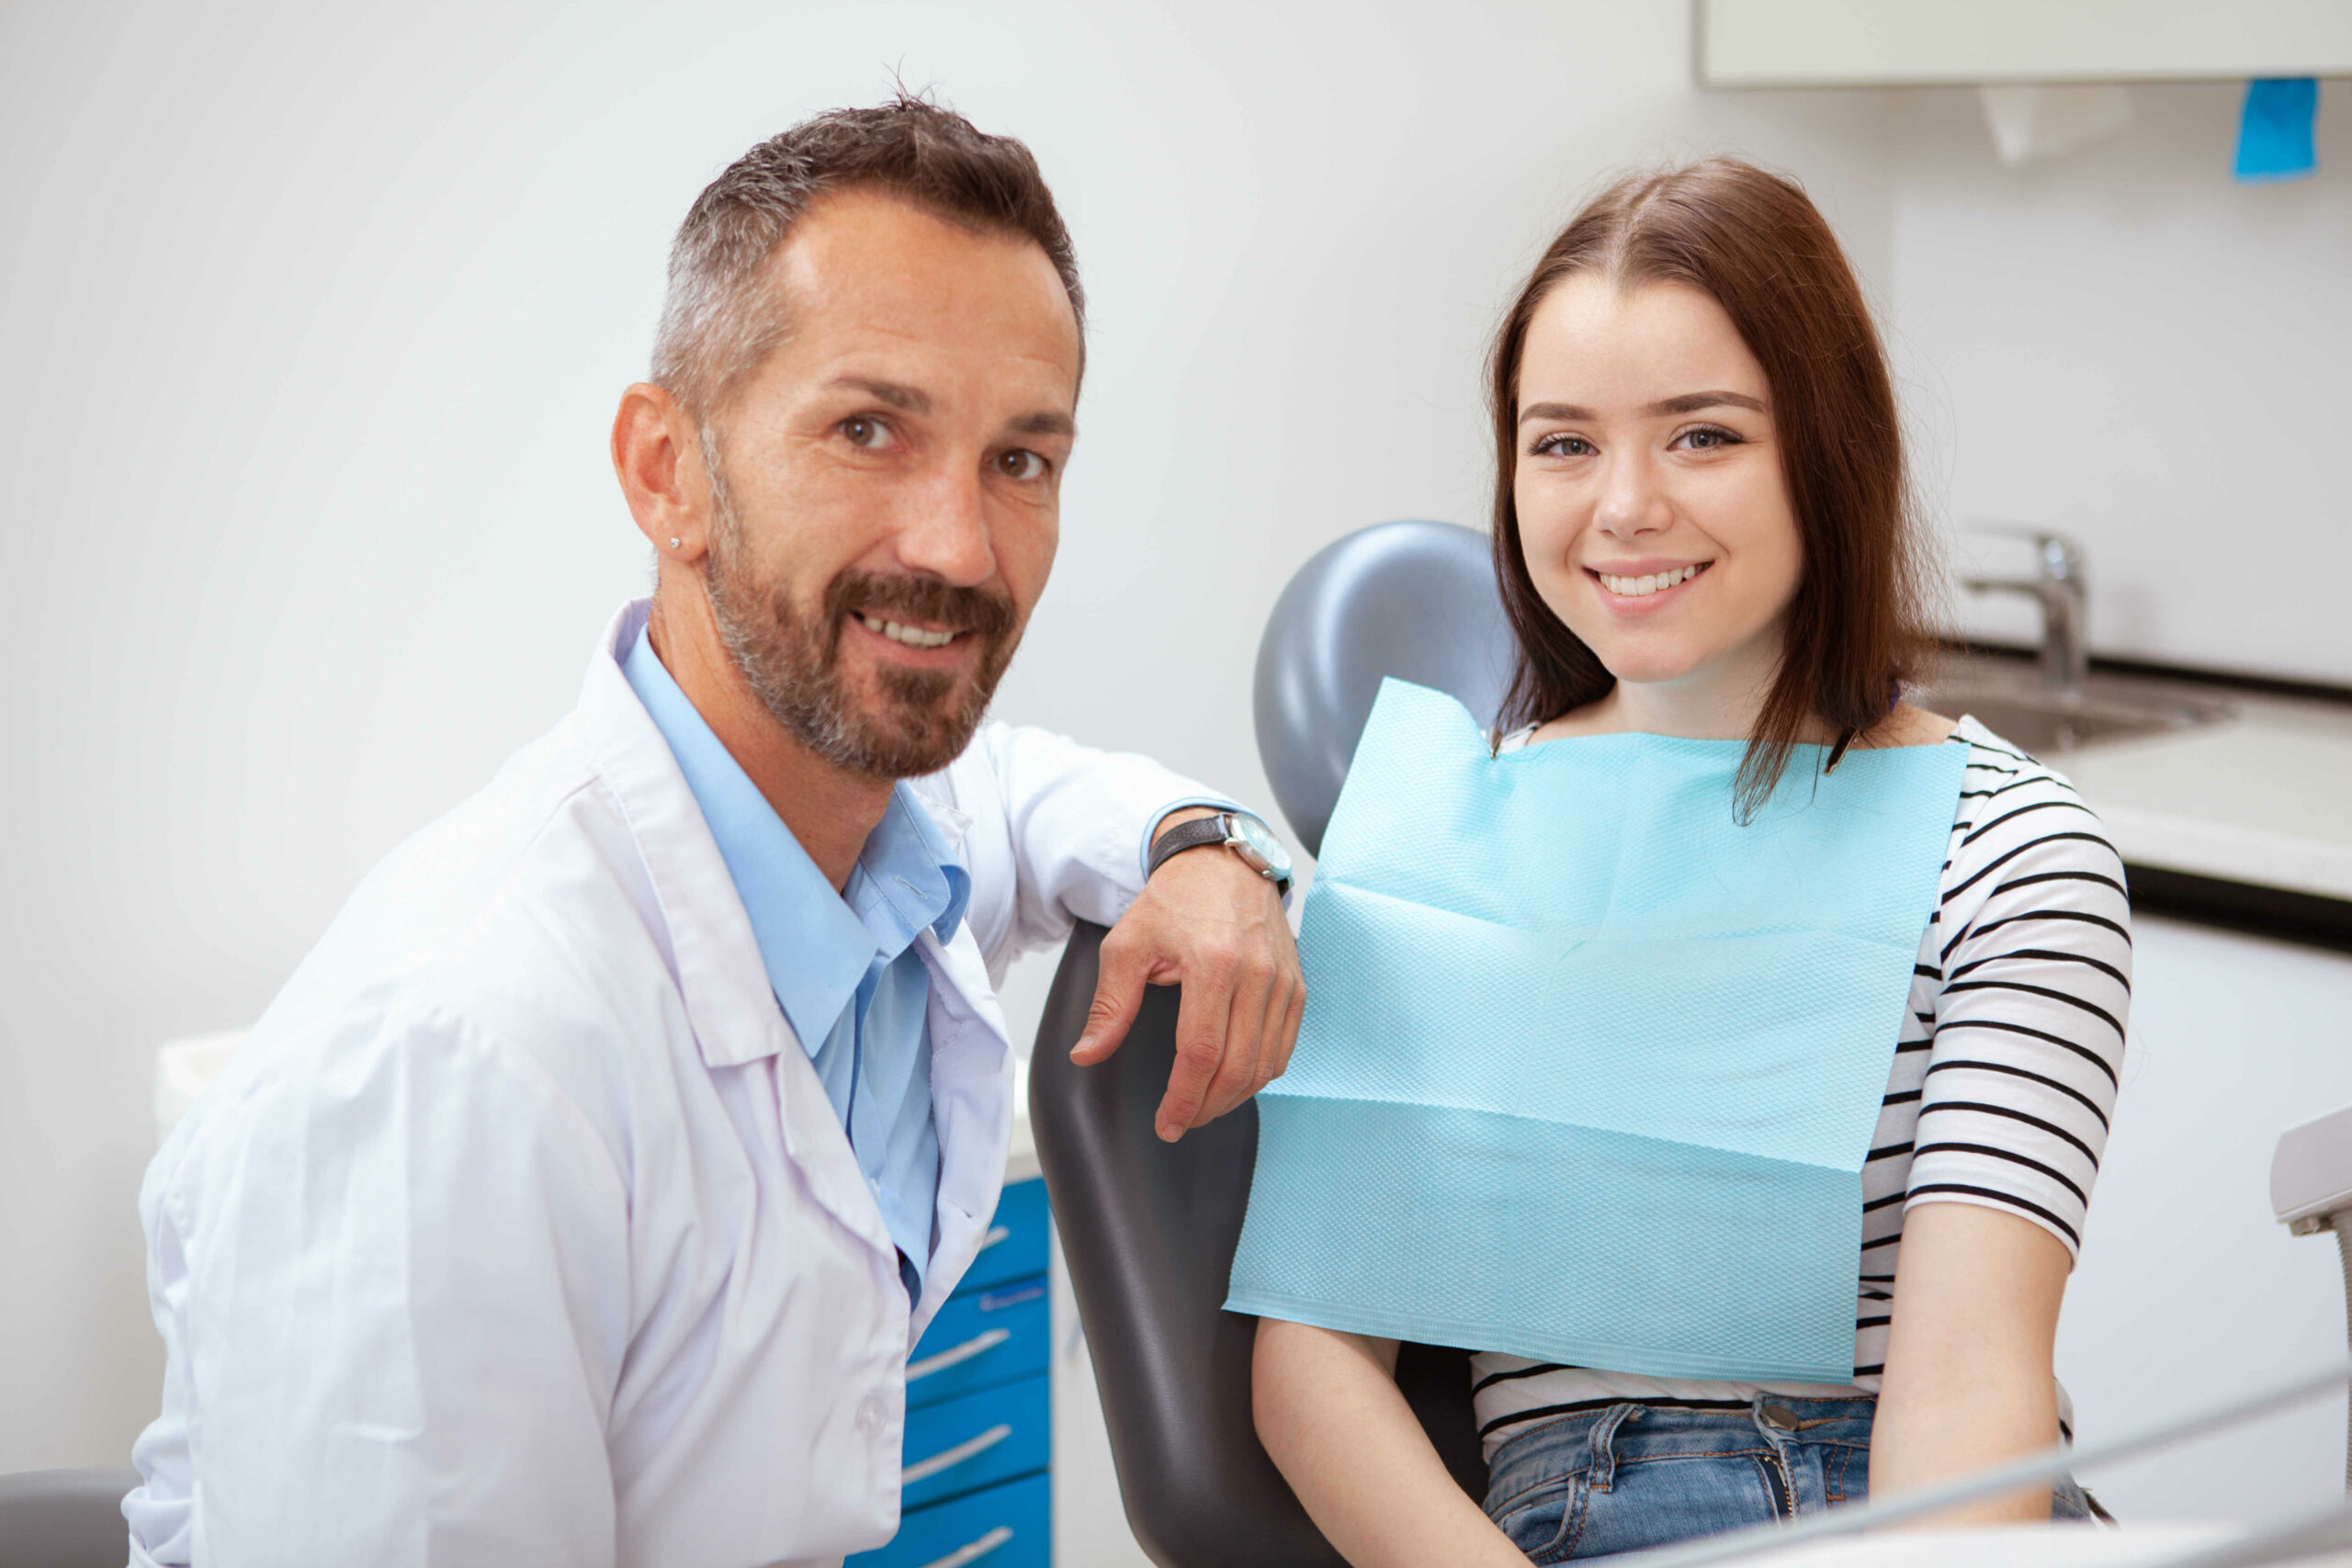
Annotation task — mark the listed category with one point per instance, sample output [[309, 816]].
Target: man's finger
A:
[[1123, 973], [1201, 1015], [1282, 1029], [1245, 1032], [1287, 1039]]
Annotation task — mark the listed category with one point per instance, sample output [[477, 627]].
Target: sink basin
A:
[[2009, 700]]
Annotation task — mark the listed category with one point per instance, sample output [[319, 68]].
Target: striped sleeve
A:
[[2029, 1017]]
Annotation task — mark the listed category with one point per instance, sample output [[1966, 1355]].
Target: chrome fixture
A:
[[2058, 588]]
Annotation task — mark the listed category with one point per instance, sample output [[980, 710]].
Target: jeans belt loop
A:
[[1602, 1473]]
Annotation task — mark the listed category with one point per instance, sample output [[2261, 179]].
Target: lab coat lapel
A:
[[971, 1104], [721, 973]]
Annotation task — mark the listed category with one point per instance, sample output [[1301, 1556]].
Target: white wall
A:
[[314, 320], [2129, 346]]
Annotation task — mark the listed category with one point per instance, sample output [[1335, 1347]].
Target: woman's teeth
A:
[[913, 637], [1635, 587]]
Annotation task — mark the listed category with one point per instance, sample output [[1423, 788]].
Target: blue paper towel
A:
[[2275, 131], [1590, 1071]]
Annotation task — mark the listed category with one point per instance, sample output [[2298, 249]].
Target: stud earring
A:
[[674, 542]]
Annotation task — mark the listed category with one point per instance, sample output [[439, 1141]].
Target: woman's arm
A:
[[2035, 959], [1332, 1416], [1968, 1379]]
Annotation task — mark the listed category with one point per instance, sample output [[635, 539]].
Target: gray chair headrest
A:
[[1413, 599]]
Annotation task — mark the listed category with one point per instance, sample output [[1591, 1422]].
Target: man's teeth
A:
[[913, 637], [1635, 587]]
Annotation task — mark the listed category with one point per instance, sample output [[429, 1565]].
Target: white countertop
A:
[[2262, 797]]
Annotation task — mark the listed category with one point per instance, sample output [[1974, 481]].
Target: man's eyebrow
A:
[[913, 400], [1045, 421], [1689, 403]]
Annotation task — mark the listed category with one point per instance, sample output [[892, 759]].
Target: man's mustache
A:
[[905, 597]]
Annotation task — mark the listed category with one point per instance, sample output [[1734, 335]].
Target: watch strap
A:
[[1192, 835]]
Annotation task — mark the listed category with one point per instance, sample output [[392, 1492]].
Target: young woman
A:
[[1701, 530]]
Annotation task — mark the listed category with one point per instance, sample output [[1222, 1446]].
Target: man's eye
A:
[[861, 431], [1021, 464]]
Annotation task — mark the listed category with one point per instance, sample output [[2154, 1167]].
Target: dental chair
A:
[[64, 1518], [1148, 1229]]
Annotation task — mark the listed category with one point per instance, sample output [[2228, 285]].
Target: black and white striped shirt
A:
[[2004, 1078]]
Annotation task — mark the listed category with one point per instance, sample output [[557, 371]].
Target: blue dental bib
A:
[[1589, 1070]]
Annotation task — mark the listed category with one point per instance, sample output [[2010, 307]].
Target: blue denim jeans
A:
[[1634, 1477]]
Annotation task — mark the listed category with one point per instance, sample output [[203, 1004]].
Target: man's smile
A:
[[908, 633]]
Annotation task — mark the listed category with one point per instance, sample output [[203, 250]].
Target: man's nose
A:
[[1632, 501], [946, 531]]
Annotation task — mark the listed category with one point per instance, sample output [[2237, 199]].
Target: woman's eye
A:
[[1566, 447], [1021, 464], [861, 431], [1708, 436]]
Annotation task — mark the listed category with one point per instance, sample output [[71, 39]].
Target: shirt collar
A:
[[817, 944]]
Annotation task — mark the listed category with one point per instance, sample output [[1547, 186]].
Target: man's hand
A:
[[1210, 923]]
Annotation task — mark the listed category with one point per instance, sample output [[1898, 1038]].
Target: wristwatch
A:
[[1237, 830]]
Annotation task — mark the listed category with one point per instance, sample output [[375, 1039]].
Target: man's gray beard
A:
[[792, 661]]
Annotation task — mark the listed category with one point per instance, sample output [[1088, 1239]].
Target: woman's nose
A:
[[1631, 502]]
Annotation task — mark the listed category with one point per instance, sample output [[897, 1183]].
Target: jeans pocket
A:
[[1540, 1521]]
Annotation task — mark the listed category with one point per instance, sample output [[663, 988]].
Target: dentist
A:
[[580, 1196]]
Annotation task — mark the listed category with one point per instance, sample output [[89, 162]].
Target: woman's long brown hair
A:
[[1757, 245]]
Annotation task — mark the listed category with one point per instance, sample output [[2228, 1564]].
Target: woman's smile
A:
[[1640, 588]]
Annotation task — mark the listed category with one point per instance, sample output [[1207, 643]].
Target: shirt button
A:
[[872, 1415]]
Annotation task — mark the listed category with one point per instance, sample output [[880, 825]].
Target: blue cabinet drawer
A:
[[1014, 1248], [981, 1340], [1005, 1527], [964, 1444]]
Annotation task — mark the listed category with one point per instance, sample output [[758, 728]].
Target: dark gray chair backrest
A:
[[64, 1518], [1148, 1228], [1412, 600]]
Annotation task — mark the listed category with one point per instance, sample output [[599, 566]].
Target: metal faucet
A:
[[2058, 588]]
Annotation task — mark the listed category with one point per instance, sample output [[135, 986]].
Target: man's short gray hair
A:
[[720, 320]]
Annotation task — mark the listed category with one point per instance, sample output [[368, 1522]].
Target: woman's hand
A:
[[1330, 1416], [1968, 1379]]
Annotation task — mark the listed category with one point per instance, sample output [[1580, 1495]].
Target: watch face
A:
[[1259, 840]]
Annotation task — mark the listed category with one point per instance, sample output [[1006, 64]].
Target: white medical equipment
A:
[[2311, 1189]]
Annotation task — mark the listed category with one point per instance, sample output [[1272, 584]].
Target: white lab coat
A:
[[521, 1231]]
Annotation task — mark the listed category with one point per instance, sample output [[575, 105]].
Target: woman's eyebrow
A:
[[1689, 403], [1692, 402]]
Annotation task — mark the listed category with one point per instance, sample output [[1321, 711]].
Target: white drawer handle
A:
[[955, 1355], [948, 1459], [974, 1551], [996, 1234]]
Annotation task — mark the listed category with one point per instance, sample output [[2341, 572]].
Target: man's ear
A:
[[658, 459]]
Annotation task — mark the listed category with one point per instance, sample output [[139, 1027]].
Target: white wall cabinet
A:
[[1916, 43], [2188, 1291]]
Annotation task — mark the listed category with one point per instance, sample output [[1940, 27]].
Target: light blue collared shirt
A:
[[843, 965]]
